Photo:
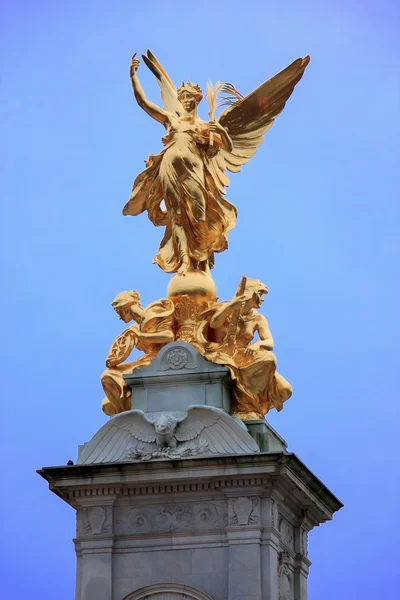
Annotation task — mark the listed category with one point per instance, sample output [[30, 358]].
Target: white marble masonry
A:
[[220, 528]]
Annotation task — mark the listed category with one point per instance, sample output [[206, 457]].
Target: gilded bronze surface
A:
[[182, 189], [152, 332], [225, 336], [222, 332]]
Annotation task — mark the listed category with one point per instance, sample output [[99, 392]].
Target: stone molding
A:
[[168, 591], [271, 475]]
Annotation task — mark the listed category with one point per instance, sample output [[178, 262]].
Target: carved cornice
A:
[[263, 474]]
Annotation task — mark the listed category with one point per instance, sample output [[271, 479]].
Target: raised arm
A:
[[222, 314], [152, 109]]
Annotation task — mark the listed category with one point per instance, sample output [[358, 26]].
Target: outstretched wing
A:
[[213, 427], [168, 90], [125, 431], [248, 119]]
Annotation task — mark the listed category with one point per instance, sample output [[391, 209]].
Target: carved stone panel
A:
[[287, 533], [285, 578], [174, 517], [303, 542], [274, 513], [95, 520], [244, 510]]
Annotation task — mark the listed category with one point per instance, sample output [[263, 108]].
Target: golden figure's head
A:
[[254, 291], [189, 95], [122, 303]]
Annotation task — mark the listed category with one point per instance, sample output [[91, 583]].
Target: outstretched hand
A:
[[135, 62]]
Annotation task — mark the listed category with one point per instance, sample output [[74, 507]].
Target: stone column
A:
[[94, 550], [270, 549], [244, 539]]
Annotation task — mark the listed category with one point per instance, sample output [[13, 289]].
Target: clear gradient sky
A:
[[318, 223]]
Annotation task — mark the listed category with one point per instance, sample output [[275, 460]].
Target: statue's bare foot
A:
[[184, 268]]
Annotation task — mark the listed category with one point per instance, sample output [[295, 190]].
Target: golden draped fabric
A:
[[180, 175], [257, 385]]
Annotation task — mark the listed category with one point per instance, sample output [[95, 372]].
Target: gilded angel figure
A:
[[183, 187]]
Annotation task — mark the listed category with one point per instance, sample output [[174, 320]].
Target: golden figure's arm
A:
[[152, 109], [158, 337], [221, 315], [266, 339]]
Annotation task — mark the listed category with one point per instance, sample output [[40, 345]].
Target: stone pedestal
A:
[[231, 528], [230, 524]]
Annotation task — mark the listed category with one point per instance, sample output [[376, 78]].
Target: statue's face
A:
[[258, 298], [188, 101], [123, 313]]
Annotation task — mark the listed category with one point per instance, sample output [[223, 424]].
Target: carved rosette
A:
[[177, 358]]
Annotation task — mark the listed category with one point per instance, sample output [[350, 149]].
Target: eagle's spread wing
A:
[[128, 429], [212, 427]]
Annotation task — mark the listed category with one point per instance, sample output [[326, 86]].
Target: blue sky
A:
[[318, 223]]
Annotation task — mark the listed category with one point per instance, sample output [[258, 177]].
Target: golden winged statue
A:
[[183, 187]]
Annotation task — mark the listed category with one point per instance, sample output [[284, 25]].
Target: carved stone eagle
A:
[[133, 435]]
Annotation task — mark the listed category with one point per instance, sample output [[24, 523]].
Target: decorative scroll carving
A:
[[304, 542], [174, 517], [244, 511], [187, 314], [285, 579], [274, 513]]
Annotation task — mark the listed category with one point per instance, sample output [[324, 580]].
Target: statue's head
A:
[[254, 291], [122, 303], [165, 424], [189, 95]]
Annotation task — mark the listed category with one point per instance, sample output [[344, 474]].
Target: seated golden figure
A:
[[225, 337], [153, 331]]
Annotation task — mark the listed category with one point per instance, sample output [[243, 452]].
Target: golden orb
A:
[[198, 285]]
